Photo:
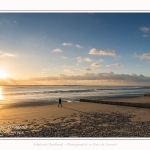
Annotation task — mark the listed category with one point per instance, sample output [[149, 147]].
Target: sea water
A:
[[50, 94]]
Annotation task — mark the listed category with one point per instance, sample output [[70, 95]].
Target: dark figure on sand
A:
[[59, 102]]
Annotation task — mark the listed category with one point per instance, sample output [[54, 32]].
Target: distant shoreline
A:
[[124, 101]]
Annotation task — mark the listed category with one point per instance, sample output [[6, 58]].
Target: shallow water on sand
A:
[[49, 94]]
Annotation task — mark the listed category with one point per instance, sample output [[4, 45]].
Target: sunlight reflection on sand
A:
[[1, 96]]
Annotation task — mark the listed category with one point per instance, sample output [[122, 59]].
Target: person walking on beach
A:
[[60, 102]]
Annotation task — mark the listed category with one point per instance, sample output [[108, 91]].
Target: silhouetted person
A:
[[60, 102]]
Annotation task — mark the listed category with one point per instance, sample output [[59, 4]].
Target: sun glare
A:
[[3, 74]]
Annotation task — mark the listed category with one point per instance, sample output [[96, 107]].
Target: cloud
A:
[[79, 59], [87, 69], [88, 59], [68, 71], [70, 44], [7, 54], [78, 46], [118, 65], [99, 78], [138, 65], [95, 65], [145, 29], [57, 50], [146, 35], [64, 57], [8, 23], [108, 65], [144, 56], [46, 69], [67, 44], [15, 22], [94, 51], [101, 60]]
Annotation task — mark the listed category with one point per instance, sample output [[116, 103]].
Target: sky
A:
[[75, 48]]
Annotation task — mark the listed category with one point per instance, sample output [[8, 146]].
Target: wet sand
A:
[[76, 119]]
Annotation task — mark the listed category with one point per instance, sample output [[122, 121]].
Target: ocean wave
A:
[[107, 90], [124, 88], [48, 92]]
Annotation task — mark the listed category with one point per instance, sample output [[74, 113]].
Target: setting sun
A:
[[3, 74]]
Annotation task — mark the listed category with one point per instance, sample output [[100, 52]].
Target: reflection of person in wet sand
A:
[[60, 102]]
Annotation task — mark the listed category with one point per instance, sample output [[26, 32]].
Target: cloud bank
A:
[[100, 76], [99, 79]]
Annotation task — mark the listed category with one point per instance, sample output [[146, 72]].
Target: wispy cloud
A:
[[118, 65], [144, 56], [68, 71], [94, 51], [108, 65], [88, 59], [46, 69], [64, 57], [7, 23], [15, 22], [146, 35], [79, 46], [138, 65], [2, 54], [87, 69], [57, 50], [70, 44], [67, 44], [101, 60], [95, 65], [145, 29], [79, 59], [9, 55]]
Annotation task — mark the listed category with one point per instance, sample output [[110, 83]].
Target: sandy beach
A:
[[77, 119]]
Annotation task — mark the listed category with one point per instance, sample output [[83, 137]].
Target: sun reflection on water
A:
[[1, 96]]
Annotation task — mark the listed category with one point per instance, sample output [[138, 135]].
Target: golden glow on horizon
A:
[[3, 74], [1, 96]]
